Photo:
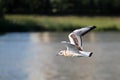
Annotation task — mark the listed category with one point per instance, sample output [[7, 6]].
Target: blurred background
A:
[[31, 32]]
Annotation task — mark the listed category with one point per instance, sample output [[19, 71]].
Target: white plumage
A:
[[74, 47]]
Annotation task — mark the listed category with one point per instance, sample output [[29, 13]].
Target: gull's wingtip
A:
[[87, 29], [92, 27]]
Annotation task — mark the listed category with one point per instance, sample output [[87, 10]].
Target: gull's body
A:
[[74, 47]]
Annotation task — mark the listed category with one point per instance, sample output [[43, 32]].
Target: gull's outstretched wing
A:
[[83, 31], [76, 36], [70, 47]]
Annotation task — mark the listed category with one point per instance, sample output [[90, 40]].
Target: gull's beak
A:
[[57, 54]]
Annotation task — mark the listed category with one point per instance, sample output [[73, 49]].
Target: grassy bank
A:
[[57, 23]]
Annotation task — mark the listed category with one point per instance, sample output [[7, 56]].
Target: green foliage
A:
[[1, 9], [67, 23], [61, 6]]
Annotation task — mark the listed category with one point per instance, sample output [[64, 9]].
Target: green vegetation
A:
[[61, 7], [57, 23], [56, 15]]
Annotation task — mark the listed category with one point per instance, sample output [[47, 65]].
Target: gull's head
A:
[[61, 52]]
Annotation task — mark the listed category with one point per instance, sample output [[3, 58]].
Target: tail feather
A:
[[86, 54]]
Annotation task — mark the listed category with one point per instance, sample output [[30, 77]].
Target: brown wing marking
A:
[[76, 42]]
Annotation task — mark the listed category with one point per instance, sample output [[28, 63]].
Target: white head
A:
[[62, 52]]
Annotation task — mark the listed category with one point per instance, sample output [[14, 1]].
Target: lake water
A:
[[32, 56]]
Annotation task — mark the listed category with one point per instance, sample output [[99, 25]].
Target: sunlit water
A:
[[32, 56]]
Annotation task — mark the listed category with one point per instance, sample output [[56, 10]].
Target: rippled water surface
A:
[[32, 56]]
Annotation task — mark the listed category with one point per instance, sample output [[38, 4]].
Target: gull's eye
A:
[[60, 53]]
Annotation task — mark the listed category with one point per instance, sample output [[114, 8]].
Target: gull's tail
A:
[[86, 54], [85, 30]]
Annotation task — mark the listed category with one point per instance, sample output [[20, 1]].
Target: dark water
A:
[[32, 56]]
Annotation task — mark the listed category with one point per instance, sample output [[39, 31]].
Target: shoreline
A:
[[31, 23]]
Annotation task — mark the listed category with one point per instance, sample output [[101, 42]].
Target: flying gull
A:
[[74, 47]]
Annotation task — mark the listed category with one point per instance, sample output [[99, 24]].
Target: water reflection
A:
[[32, 56]]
